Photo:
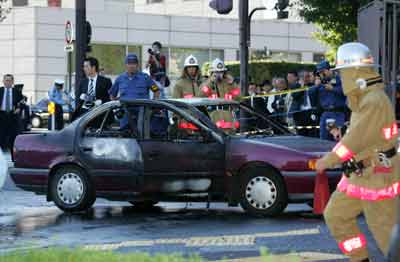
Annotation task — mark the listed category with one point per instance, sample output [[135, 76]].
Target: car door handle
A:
[[87, 149]]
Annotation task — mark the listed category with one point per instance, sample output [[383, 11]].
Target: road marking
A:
[[292, 257], [224, 240]]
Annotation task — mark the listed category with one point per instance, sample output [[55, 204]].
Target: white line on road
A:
[[224, 240]]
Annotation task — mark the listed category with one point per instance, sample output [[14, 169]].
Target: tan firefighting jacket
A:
[[372, 130], [224, 89], [187, 88], [225, 120]]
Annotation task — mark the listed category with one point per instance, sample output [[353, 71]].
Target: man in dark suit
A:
[[10, 97], [93, 88]]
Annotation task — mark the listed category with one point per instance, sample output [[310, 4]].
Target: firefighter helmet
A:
[[354, 55], [218, 66], [191, 61]]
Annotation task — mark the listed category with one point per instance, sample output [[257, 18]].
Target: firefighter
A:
[[368, 153], [188, 86], [220, 84]]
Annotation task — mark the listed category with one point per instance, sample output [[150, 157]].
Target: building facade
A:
[[32, 40]]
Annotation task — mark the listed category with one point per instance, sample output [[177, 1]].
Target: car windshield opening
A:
[[239, 120]]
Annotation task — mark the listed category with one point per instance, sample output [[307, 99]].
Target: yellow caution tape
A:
[[278, 93]]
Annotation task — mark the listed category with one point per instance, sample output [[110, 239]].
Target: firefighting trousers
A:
[[341, 217]]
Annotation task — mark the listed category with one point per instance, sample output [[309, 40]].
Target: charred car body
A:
[[145, 151]]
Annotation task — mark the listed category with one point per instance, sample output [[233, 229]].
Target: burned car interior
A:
[[117, 122], [234, 119]]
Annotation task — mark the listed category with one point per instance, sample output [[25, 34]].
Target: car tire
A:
[[71, 189], [36, 122], [263, 191], [147, 204]]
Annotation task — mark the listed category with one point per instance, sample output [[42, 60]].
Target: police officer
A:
[[132, 84], [188, 86], [56, 96], [368, 152], [220, 84], [328, 93]]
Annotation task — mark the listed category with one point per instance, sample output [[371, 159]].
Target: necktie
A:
[[305, 102], [8, 104], [91, 88]]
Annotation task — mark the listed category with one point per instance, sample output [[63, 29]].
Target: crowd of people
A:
[[311, 103]]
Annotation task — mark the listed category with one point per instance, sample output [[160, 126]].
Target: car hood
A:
[[296, 143]]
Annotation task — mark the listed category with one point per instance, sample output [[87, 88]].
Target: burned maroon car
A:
[[146, 151]]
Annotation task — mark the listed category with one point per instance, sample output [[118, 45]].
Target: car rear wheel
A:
[[36, 122], [72, 190], [263, 192]]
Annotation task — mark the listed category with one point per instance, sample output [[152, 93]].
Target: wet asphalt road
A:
[[28, 221]]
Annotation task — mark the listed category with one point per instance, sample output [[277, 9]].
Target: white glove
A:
[[83, 97], [97, 102]]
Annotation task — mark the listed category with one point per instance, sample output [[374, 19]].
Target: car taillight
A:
[[312, 164]]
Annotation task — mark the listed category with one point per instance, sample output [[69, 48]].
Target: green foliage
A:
[[205, 69], [81, 255], [262, 70], [78, 255], [337, 20]]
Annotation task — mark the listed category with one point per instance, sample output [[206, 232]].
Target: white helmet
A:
[[218, 66], [191, 61], [59, 82], [354, 55]]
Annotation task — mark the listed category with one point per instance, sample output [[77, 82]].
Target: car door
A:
[[110, 152], [179, 155]]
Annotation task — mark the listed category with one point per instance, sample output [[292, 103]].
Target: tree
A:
[[336, 19]]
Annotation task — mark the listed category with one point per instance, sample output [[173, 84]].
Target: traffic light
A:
[[280, 6], [222, 7]]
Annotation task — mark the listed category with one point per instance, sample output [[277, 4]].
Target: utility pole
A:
[[80, 42], [244, 45]]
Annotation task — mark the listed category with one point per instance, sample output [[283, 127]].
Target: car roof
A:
[[189, 101], [197, 101]]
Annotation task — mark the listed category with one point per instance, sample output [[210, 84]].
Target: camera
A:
[[150, 51]]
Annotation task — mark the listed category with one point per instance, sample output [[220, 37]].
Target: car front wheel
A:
[[71, 190], [36, 122], [263, 192]]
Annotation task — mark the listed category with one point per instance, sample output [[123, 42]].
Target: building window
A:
[[258, 54], [154, 1], [136, 49], [318, 57], [178, 55], [20, 2], [215, 53], [111, 57]]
